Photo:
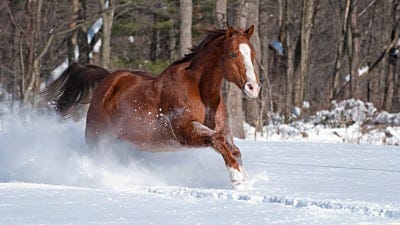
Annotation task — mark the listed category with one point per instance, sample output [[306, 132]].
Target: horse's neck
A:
[[210, 75], [210, 84], [204, 70]]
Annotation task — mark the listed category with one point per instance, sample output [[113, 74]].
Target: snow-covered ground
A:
[[48, 176]]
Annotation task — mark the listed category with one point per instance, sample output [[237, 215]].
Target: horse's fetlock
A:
[[236, 153]]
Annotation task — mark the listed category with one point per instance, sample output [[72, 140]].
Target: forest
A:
[[309, 52]]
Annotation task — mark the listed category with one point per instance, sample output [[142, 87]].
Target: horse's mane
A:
[[195, 50]]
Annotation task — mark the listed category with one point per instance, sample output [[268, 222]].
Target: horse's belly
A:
[[149, 134]]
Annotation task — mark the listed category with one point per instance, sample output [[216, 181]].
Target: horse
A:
[[182, 106]]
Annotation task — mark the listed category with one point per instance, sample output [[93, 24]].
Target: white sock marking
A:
[[236, 175]]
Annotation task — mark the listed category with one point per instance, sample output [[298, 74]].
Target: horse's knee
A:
[[228, 142], [217, 138], [229, 151]]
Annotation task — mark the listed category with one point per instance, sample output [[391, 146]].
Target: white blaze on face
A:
[[246, 55], [251, 88]]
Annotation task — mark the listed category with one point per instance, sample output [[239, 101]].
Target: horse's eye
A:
[[233, 55]]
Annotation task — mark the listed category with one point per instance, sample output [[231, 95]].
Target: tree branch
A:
[[366, 8]]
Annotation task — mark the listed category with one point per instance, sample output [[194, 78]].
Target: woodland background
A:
[[309, 52]]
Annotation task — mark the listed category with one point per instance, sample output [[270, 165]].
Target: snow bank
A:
[[349, 121]]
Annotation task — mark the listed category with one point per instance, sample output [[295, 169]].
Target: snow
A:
[[363, 70], [48, 176], [306, 105], [60, 68], [92, 31], [131, 39], [97, 46], [350, 121], [277, 46]]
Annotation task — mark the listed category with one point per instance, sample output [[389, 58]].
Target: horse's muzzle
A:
[[251, 89]]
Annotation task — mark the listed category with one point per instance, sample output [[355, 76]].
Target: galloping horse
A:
[[182, 105]]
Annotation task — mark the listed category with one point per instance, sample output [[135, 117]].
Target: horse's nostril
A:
[[250, 87]]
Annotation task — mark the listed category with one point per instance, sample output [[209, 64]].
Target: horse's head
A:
[[237, 61]]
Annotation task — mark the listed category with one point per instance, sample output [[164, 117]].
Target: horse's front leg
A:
[[223, 144]]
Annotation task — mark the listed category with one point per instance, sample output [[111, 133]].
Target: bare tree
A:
[[33, 79], [307, 23], [108, 16], [290, 39], [253, 108], [220, 14], [185, 40], [76, 9], [234, 100], [84, 46], [355, 51], [336, 81], [391, 65]]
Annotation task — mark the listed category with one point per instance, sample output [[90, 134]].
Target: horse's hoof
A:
[[241, 185], [239, 179]]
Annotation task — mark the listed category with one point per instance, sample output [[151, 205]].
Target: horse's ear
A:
[[249, 31], [229, 31]]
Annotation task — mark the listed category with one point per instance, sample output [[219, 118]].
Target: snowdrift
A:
[[350, 121]]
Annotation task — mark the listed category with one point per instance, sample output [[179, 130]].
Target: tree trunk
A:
[[252, 108], [173, 55], [396, 91], [354, 56], [108, 16], [84, 46], [154, 39], [73, 40], [371, 82], [34, 62], [336, 87], [234, 94], [288, 44], [307, 22], [391, 71], [388, 90], [220, 14], [264, 28], [185, 38]]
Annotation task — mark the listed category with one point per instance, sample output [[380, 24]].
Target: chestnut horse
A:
[[182, 105]]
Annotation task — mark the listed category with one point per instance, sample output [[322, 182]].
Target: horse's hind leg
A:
[[223, 144], [97, 132]]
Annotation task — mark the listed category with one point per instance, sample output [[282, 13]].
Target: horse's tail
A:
[[74, 87]]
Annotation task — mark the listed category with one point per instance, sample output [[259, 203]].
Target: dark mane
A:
[[211, 35]]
